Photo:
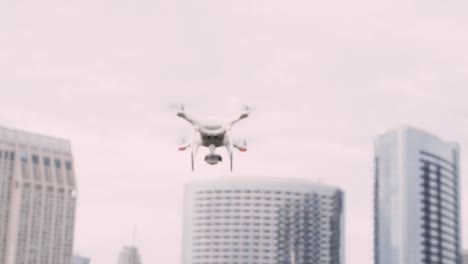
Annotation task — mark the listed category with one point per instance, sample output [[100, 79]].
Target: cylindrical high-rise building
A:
[[37, 199], [262, 221], [417, 199]]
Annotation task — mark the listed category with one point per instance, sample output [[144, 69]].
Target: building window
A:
[[47, 169], [35, 159], [69, 173], [24, 157], [24, 165], [35, 167]]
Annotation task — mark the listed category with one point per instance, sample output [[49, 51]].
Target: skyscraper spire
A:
[[130, 254]]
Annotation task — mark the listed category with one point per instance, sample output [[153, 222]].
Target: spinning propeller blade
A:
[[241, 145], [184, 146]]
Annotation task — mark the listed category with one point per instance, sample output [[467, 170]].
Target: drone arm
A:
[[193, 121], [184, 146], [237, 118], [229, 144], [242, 146], [194, 155]]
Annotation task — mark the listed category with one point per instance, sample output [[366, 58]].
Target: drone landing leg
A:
[[193, 163], [194, 154], [231, 162]]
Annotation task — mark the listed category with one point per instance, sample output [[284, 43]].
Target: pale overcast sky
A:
[[326, 77]]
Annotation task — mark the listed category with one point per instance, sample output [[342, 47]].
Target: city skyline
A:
[[26, 139], [206, 170], [324, 77]]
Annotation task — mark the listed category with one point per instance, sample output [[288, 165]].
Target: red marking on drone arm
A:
[[243, 149]]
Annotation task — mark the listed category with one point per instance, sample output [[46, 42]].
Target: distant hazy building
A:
[[130, 255], [37, 199], [417, 199], [465, 257], [263, 221], [80, 260]]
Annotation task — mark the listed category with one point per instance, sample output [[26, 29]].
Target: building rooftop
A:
[[229, 181], [415, 130], [27, 139]]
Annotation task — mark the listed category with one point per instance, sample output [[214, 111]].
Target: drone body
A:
[[212, 136]]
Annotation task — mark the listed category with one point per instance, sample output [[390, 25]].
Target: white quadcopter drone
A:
[[213, 136]]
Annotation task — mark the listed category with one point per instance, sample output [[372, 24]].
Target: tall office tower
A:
[[262, 221], [80, 260], [416, 199], [129, 255], [37, 199]]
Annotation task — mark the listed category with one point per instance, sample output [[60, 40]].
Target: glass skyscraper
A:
[[262, 221], [417, 203], [37, 199]]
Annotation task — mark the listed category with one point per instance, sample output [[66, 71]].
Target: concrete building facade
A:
[[417, 199], [262, 221], [37, 199]]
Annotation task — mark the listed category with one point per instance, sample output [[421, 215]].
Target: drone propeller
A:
[[176, 107], [182, 140], [180, 108], [248, 108], [241, 145], [184, 144]]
